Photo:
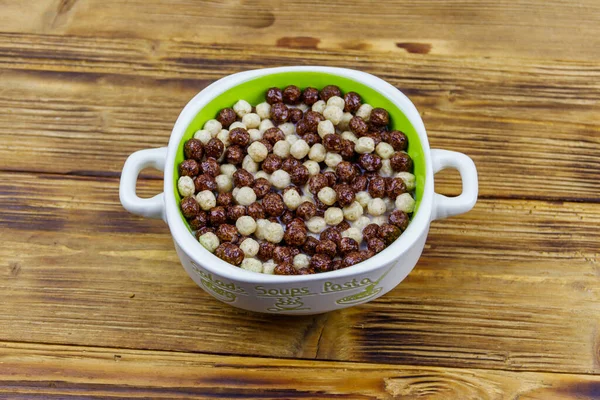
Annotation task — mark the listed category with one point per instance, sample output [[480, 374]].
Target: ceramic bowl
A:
[[300, 294]]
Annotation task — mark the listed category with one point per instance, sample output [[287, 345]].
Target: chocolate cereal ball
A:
[[230, 253], [205, 182], [282, 254], [274, 95], [299, 175], [265, 251], [199, 221], [375, 244], [389, 233], [358, 126], [400, 219], [401, 162], [320, 262], [398, 140], [370, 162], [189, 168], [317, 182], [379, 117], [310, 246], [347, 245], [239, 136], [226, 117], [279, 113], [256, 211], [234, 155], [217, 216], [227, 233], [242, 178], [351, 102], [291, 95], [225, 199], [295, 115], [214, 148], [312, 119], [310, 96], [345, 195], [285, 269], [329, 91], [189, 207], [295, 236], [345, 172], [210, 166], [377, 187], [352, 258], [235, 212], [370, 231], [273, 135], [272, 163], [306, 210], [194, 149], [394, 187], [327, 247], [290, 164], [273, 204], [359, 183]]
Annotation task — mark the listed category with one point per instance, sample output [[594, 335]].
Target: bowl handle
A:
[[448, 206], [153, 207]]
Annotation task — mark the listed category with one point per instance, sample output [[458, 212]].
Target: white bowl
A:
[[299, 294]]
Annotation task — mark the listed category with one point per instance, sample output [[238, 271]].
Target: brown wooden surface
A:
[[504, 303]]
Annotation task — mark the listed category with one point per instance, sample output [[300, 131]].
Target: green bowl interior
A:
[[253, 91]]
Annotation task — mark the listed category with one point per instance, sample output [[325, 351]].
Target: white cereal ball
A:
[[364, 112], [313, 167], [261, 226], [209, 241], [409, 180], [292, 199], [246, 225], [258, 151], [389, 204], [224, 183], [262, 174], [213, 126], [364, 145], [327, 195], [242, 107], [300, 149], [223, 136], [308, 198], [251, 120], [317, 152], [249, 164], [274, 232], [302, 107], [353, 233], [237, 124], [344, 123], [288, 128], [333, 114], [361, 222], [319, 106], [255, 135], [386, 168], [336, 101], [228, 169], [235, 191], [263, 110], [252, 264], [265, 124], [333, 159], [245, 196], [384, 150], [203, 135], [363, 198], [353, 212], [379, 220], [186, 186], [405, 203], [269, 267], [376, 207], [206, 199], [325, 128], [280, 179], [250, 247], [349, 136], [334, 215], [282, 149], [301, 261], [316, 224]]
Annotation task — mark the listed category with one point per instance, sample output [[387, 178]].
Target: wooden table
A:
[[504, 303]]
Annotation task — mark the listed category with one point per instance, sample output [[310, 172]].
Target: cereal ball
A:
[[189, 168], [347, 135], [389, 204], [255, 135], [285, 269], [352, 102], [300, 149], [281, 149], [405, 203], [227, 233], [256, 211], [242, 107], [310, 96], [344, 194], [312, 119], [209, 241], [299, 175], [301, 261], [376, 207], [327, 195], [234, 154], [261, 187], [342, 226], [398, 140], [329, 91], [312, 167], [228, 169], [189, 207], [347, 245], [241, 178], [251, 120], [377, 187], [345, 171], [217, 216], [320, 262], [333, 114], [359, 184], [223, 136], [261, 225], [206, 199], [400, 219], [296, 115], [288, 128], [332, 234], [310, 245], [263, 110], [344, 123], [265, 251], [379, 220], [317, 153], [237, 124], [379, 117], [336, 101], [203, 135], [306, 210], [252, 264], [269, 267], [394, 187], [273, 135], [361, 222], [384, 150], [389, 233], [325, 128], [279, 113], [408, 179], [401, 162], [319, 106], [370, 231], [185, 185], [363, 198], [230, 253], [289, 164], [317, 183], [246, 225], [273, 204], [214, 148], [249, 164], [280, 179], [287, 215], [353, 212], [272, 163], [274, 95], [226, 117], [291, 139], [312, 139], [375, 244], [267, 144], [291, 95], [303, 127], [245, 196], [386, 168], [292, 199], [364, 112], [239, 136], [332, 142], [199, 221], [353, 233], [193, 149], [352, 258], [333, 159], [358, 126], [225, 199], [274, 232], [258, 151], [265, 124], [205, 182], [250, 247], [326, 247], [213, 126], [295, 236], [370, 162], [334, 216], [364, 145], [316, 224], [282, 254]]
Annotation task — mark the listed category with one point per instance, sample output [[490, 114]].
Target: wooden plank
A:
[[91, 102], [511, 285], [555, 30], [96, 372]]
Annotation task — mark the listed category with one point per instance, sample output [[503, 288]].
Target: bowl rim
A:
[[196, 252]]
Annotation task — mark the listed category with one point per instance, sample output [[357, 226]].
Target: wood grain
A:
[[78, 269], [97, 372], [84, 104]]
